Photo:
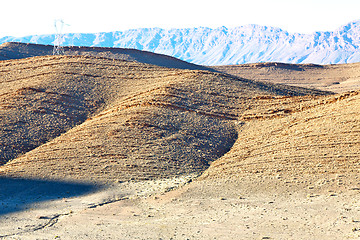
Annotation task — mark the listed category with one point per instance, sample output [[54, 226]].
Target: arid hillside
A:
[[117, 120], [336, 78], [322, 141]]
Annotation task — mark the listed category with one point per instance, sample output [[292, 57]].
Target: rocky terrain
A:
[[94, 147]]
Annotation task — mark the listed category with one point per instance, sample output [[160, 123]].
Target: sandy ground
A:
[[207, 209]]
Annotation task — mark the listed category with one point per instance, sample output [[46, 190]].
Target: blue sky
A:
[[30, 17]]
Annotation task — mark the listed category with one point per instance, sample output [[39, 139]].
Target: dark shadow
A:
[[17, 194]]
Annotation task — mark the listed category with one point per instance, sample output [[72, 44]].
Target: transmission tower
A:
[[59, 37]]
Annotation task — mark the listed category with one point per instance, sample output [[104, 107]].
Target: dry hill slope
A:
[[45, 96], [15, 50], [336, 78], [142, 121], [318, 146]]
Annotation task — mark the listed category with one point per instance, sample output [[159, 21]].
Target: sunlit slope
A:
[[323, 140], [336, 78], [122, 120]]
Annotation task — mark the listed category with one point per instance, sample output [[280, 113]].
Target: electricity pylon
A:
[[59, 37]]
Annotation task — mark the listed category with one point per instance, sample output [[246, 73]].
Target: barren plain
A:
[[105, 146]]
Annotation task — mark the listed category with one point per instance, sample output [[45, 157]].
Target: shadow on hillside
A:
[[19, 194]]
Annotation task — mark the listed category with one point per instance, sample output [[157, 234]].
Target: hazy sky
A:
[[30, 17]]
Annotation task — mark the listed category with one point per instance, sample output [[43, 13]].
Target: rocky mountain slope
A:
[[112, 119], [223, 46]]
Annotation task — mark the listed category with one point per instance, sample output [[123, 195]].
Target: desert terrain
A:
[[336, 77], [124, 144]]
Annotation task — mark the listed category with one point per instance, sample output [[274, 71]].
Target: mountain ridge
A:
[[225, 46], [15, 50]]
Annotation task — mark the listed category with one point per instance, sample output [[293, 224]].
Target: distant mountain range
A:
[[226, 46]]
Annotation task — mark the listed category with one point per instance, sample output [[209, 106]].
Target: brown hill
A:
[[15, 50], [321, 142], [133, 121], [336, 78]]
